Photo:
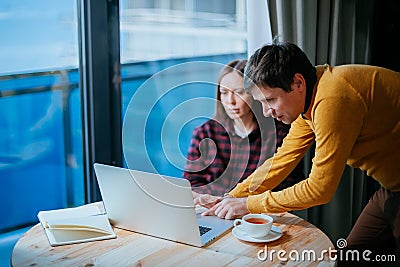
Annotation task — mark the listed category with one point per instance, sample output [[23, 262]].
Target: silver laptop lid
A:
[[152, 204]]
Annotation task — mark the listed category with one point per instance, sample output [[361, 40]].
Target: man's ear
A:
[[299, 82]]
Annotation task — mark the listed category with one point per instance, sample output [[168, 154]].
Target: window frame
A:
[[100, 83]]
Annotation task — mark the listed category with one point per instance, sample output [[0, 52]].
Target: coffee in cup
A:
[[255, 225]]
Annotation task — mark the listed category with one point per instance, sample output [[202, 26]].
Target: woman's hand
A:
[[229, 208], [205, 200]]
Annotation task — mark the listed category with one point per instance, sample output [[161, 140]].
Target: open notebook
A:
[[75, 225]]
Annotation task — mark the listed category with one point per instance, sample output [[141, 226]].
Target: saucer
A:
[[273, 235]]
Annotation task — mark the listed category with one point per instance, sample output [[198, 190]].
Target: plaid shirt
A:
[[218, 158]]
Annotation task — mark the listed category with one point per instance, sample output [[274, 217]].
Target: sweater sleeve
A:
[[337, 123], [277, 168]]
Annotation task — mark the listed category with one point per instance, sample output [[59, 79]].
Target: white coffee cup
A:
[[255, 225]]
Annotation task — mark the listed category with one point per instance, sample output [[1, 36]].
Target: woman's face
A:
[[233, 97]]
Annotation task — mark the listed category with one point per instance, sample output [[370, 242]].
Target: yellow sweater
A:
[[354, 119]]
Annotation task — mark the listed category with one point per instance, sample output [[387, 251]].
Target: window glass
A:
[[166, 88], [154, 30], [40, 121]]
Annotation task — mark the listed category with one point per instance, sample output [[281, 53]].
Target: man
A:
[[351, 112]]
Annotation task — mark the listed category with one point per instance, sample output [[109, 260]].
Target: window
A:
[[42, 146], [40, 121], [41, 150], [172, 52]]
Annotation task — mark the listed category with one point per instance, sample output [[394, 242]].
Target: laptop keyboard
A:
[[204, 229]]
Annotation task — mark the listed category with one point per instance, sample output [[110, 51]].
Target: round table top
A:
[[301, 243]]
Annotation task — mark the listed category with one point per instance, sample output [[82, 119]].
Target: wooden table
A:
[[300, 239]]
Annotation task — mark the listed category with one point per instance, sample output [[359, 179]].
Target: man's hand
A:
[[229, 208]]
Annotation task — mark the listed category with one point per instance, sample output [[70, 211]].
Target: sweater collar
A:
[[230, 129], [310, 94]]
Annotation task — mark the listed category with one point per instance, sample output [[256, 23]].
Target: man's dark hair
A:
[[274, 65]]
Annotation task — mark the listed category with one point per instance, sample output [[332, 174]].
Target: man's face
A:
[[281, 105]]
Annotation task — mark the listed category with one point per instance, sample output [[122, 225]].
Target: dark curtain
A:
[[334, 32]]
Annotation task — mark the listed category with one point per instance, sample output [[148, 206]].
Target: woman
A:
[[226, 149]]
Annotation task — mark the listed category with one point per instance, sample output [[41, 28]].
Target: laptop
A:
[[155, 205]]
